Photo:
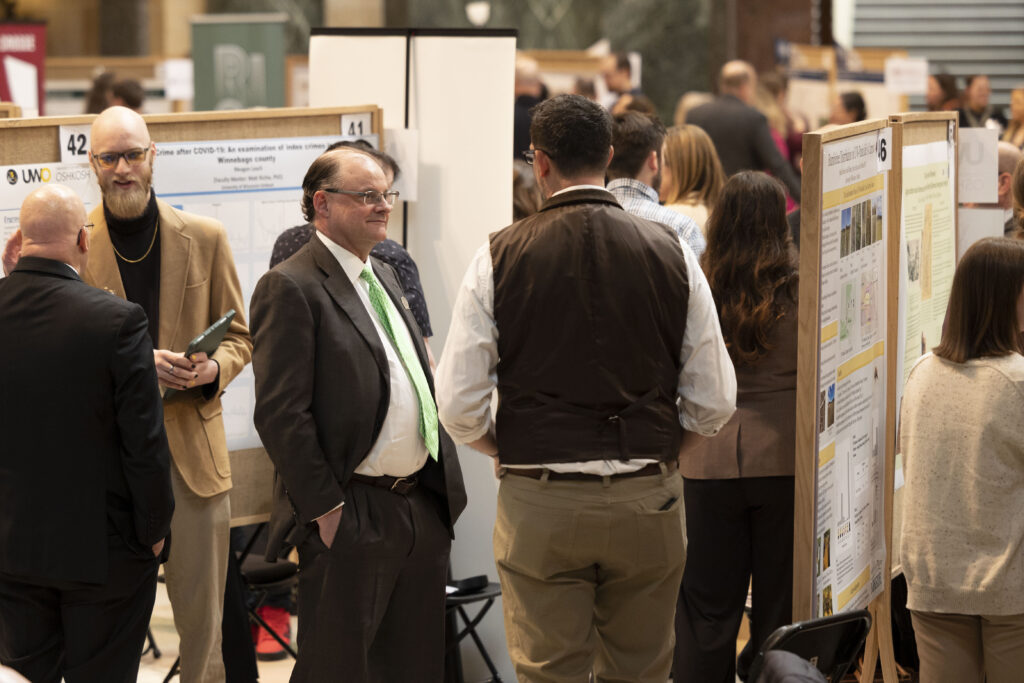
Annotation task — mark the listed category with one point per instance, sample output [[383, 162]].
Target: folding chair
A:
[[263, 578], [830, 643], [455, 604]]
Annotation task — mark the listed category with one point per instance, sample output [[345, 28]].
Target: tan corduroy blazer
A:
[[198, 284]]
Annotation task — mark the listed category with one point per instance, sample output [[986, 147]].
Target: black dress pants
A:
[[371, 608], [734, 528], [84, 633]]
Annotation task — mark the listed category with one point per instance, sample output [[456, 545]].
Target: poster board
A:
[[192, 151], [844, 415], [818, 74], [925, 198]]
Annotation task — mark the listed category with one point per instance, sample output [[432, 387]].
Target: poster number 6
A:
[[883, 149]]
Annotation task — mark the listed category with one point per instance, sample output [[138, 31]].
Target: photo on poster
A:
[[826, 550], [857, 235], [821, 413], [831, 418], [818, 555], [845, 233], [878, 218], [869, 226], [826, 599], [914, 260]]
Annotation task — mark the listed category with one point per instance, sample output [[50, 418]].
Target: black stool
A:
[[455, 603]]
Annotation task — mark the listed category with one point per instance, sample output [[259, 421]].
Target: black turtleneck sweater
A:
[[131, 239]]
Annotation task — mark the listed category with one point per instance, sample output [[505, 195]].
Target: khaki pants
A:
[[967, 648], [195, 572], [590, 572]]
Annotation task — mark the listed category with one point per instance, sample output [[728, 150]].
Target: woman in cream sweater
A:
[[962, 439]]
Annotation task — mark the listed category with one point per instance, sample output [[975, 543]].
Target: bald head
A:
[[1009, 157], [51, 225], [527, 76], [738, 78], [115, 125]]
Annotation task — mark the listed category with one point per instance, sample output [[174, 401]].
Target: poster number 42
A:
[[74, 144]]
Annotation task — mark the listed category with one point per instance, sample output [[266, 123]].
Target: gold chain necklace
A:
[[156, 229]]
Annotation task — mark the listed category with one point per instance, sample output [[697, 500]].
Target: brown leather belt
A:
[[400, 485], [538, 473]]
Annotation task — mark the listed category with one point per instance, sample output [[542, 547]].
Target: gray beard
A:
[[128, 205]]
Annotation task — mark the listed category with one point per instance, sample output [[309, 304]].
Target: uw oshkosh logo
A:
[[34, 175], [12, 176]]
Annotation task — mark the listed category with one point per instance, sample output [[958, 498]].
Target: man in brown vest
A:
[[598, 329]]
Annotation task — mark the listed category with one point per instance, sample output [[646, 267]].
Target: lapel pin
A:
[[405, 302]]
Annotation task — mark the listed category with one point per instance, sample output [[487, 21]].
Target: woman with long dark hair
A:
[[738, 486], [962, 440]]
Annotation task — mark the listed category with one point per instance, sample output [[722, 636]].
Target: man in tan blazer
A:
[[178, 267]]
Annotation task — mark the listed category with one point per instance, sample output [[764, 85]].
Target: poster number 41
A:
[[356, 124]]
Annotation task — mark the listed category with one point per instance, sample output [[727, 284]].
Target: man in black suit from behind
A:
[[740, 132], [85, 490], [367, 485]]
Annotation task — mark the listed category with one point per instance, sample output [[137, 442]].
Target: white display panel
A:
[[461, 86]]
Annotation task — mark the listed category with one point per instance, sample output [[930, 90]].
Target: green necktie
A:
[[386, 313]]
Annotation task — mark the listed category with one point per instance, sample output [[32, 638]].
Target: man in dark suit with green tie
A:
[[368, 486]]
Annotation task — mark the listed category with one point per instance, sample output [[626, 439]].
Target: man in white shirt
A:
[[598, 329], [368, 486]]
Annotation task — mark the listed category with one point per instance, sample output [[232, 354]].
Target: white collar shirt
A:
[[399, 450]]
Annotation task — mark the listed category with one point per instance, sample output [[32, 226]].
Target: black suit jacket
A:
[[323, 389], [743, 140], [84, 451]]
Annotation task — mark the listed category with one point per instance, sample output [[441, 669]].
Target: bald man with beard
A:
[[178, 267], [85, 490]]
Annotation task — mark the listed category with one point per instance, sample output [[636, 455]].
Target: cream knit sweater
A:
[[962, 439]]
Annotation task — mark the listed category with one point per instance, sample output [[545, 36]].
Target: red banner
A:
[[22, 66]]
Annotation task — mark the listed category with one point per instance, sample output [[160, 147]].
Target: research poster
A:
[[849, 509], [253, 187], [927, 253]]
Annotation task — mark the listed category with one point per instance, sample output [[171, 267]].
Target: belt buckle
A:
[[402, 485]]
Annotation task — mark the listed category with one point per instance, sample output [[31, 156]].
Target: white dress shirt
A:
[[399, 450], [467, 373]]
